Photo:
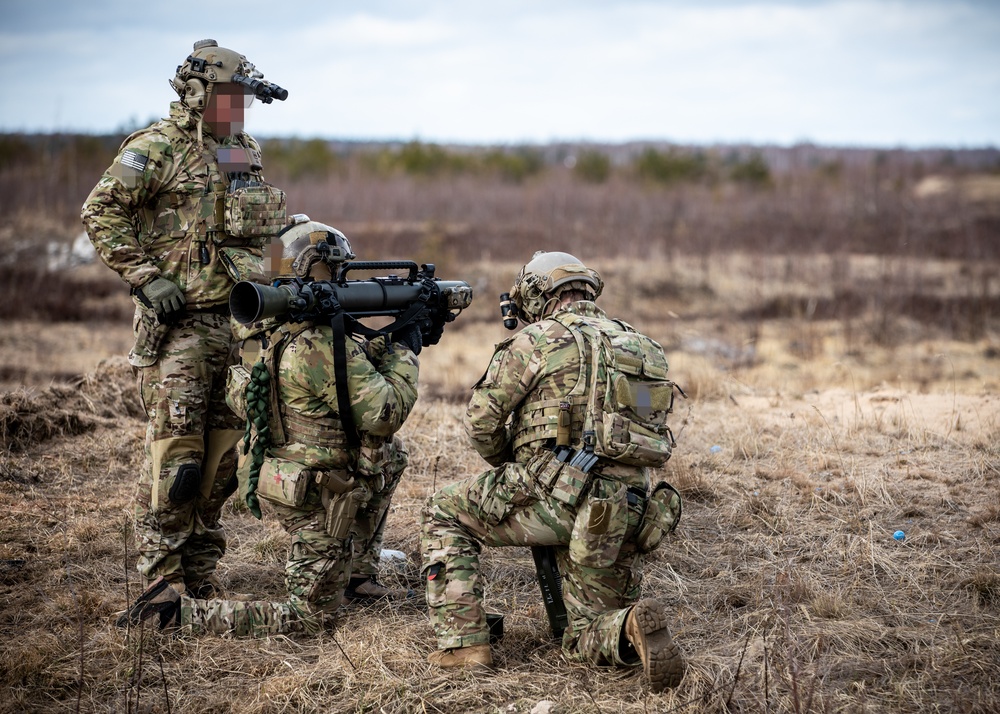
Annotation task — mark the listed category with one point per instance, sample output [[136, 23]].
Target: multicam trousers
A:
[[318, 567], [190, 463], [504, 507]]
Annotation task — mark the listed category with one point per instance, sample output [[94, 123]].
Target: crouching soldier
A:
[[571, 413], [324, 408]]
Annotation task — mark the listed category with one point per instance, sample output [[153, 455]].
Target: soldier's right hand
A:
[[409, 336], [166, 299]]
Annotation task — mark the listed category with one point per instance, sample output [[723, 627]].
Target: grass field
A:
[[836, 328], [805, 443]]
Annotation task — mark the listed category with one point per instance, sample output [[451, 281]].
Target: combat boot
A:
[[364, 589], [475, 656], [159, 599], [647, 633]]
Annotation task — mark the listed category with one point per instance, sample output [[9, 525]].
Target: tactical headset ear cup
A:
[[195, 94]]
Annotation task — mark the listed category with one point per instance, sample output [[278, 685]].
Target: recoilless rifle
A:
[[418, 298]]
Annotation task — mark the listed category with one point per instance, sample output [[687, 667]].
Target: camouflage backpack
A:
[[630, 395]]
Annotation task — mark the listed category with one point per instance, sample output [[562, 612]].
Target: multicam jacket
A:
[[382, 385], [159, 208], [537, 366]]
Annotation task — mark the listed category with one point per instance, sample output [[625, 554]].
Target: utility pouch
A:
[[628, 442], [255, 211], [241, 264], [566, 483], [236, 390], [663, 512], [149, 336], [600, 526], [284, 482]]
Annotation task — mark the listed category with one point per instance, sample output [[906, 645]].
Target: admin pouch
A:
[[254, 209]]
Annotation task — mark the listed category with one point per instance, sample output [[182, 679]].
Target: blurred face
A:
[[226, 109]]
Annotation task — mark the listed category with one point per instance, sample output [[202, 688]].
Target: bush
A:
[[671, 167], [592, 167]]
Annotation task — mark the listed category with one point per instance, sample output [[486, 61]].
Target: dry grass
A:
[[788, 592]]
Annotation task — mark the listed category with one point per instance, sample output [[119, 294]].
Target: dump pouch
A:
[[284, 482], [663, 512]]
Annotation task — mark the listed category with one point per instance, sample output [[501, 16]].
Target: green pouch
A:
[[663, 512]]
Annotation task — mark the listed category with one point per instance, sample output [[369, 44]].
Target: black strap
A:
[[340, 375]]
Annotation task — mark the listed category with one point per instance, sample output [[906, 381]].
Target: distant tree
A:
[[672, 166], [592, 167], [754, 171]]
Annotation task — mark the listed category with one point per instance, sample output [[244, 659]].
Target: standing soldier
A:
[[325, 455], [570, 413], [182, 215]]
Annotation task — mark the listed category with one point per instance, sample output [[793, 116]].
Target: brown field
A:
[[852, 393]]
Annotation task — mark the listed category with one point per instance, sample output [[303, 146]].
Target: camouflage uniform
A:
[[158, 211], [516, 504], [383, 389]]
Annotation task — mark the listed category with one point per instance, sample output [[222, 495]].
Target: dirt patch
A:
[[98, 399]]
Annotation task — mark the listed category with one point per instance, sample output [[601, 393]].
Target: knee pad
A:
[[187, 483]]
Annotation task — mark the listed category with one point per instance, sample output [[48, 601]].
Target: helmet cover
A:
[[537, 288]]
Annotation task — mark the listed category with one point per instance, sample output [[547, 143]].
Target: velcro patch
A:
[[134, 160]]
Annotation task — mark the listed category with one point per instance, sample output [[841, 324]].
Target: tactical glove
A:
[[164, 297], [431, 333], [409, 336]]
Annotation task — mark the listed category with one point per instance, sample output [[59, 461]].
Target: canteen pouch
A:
[[236, 390], [255, 211], [284, 482], [600, 526], [663, 512]]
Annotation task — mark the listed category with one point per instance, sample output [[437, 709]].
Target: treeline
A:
[[631, 199]]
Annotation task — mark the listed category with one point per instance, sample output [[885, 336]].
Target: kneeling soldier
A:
[[571, 413], [325, 455]]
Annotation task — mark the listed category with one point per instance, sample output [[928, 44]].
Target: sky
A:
[[875, 73]]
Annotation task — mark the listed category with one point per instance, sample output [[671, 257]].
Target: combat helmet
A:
[[209, 65], [307, 249], [538, 286]]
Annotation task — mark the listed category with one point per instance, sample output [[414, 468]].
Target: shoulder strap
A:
[[340, 376]]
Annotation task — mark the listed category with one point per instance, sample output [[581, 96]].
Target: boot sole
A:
[[662, 661]]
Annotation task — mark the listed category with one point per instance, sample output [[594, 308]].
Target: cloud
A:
[[918, 72]]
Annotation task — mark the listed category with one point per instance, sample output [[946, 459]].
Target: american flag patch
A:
[[133, 160]]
